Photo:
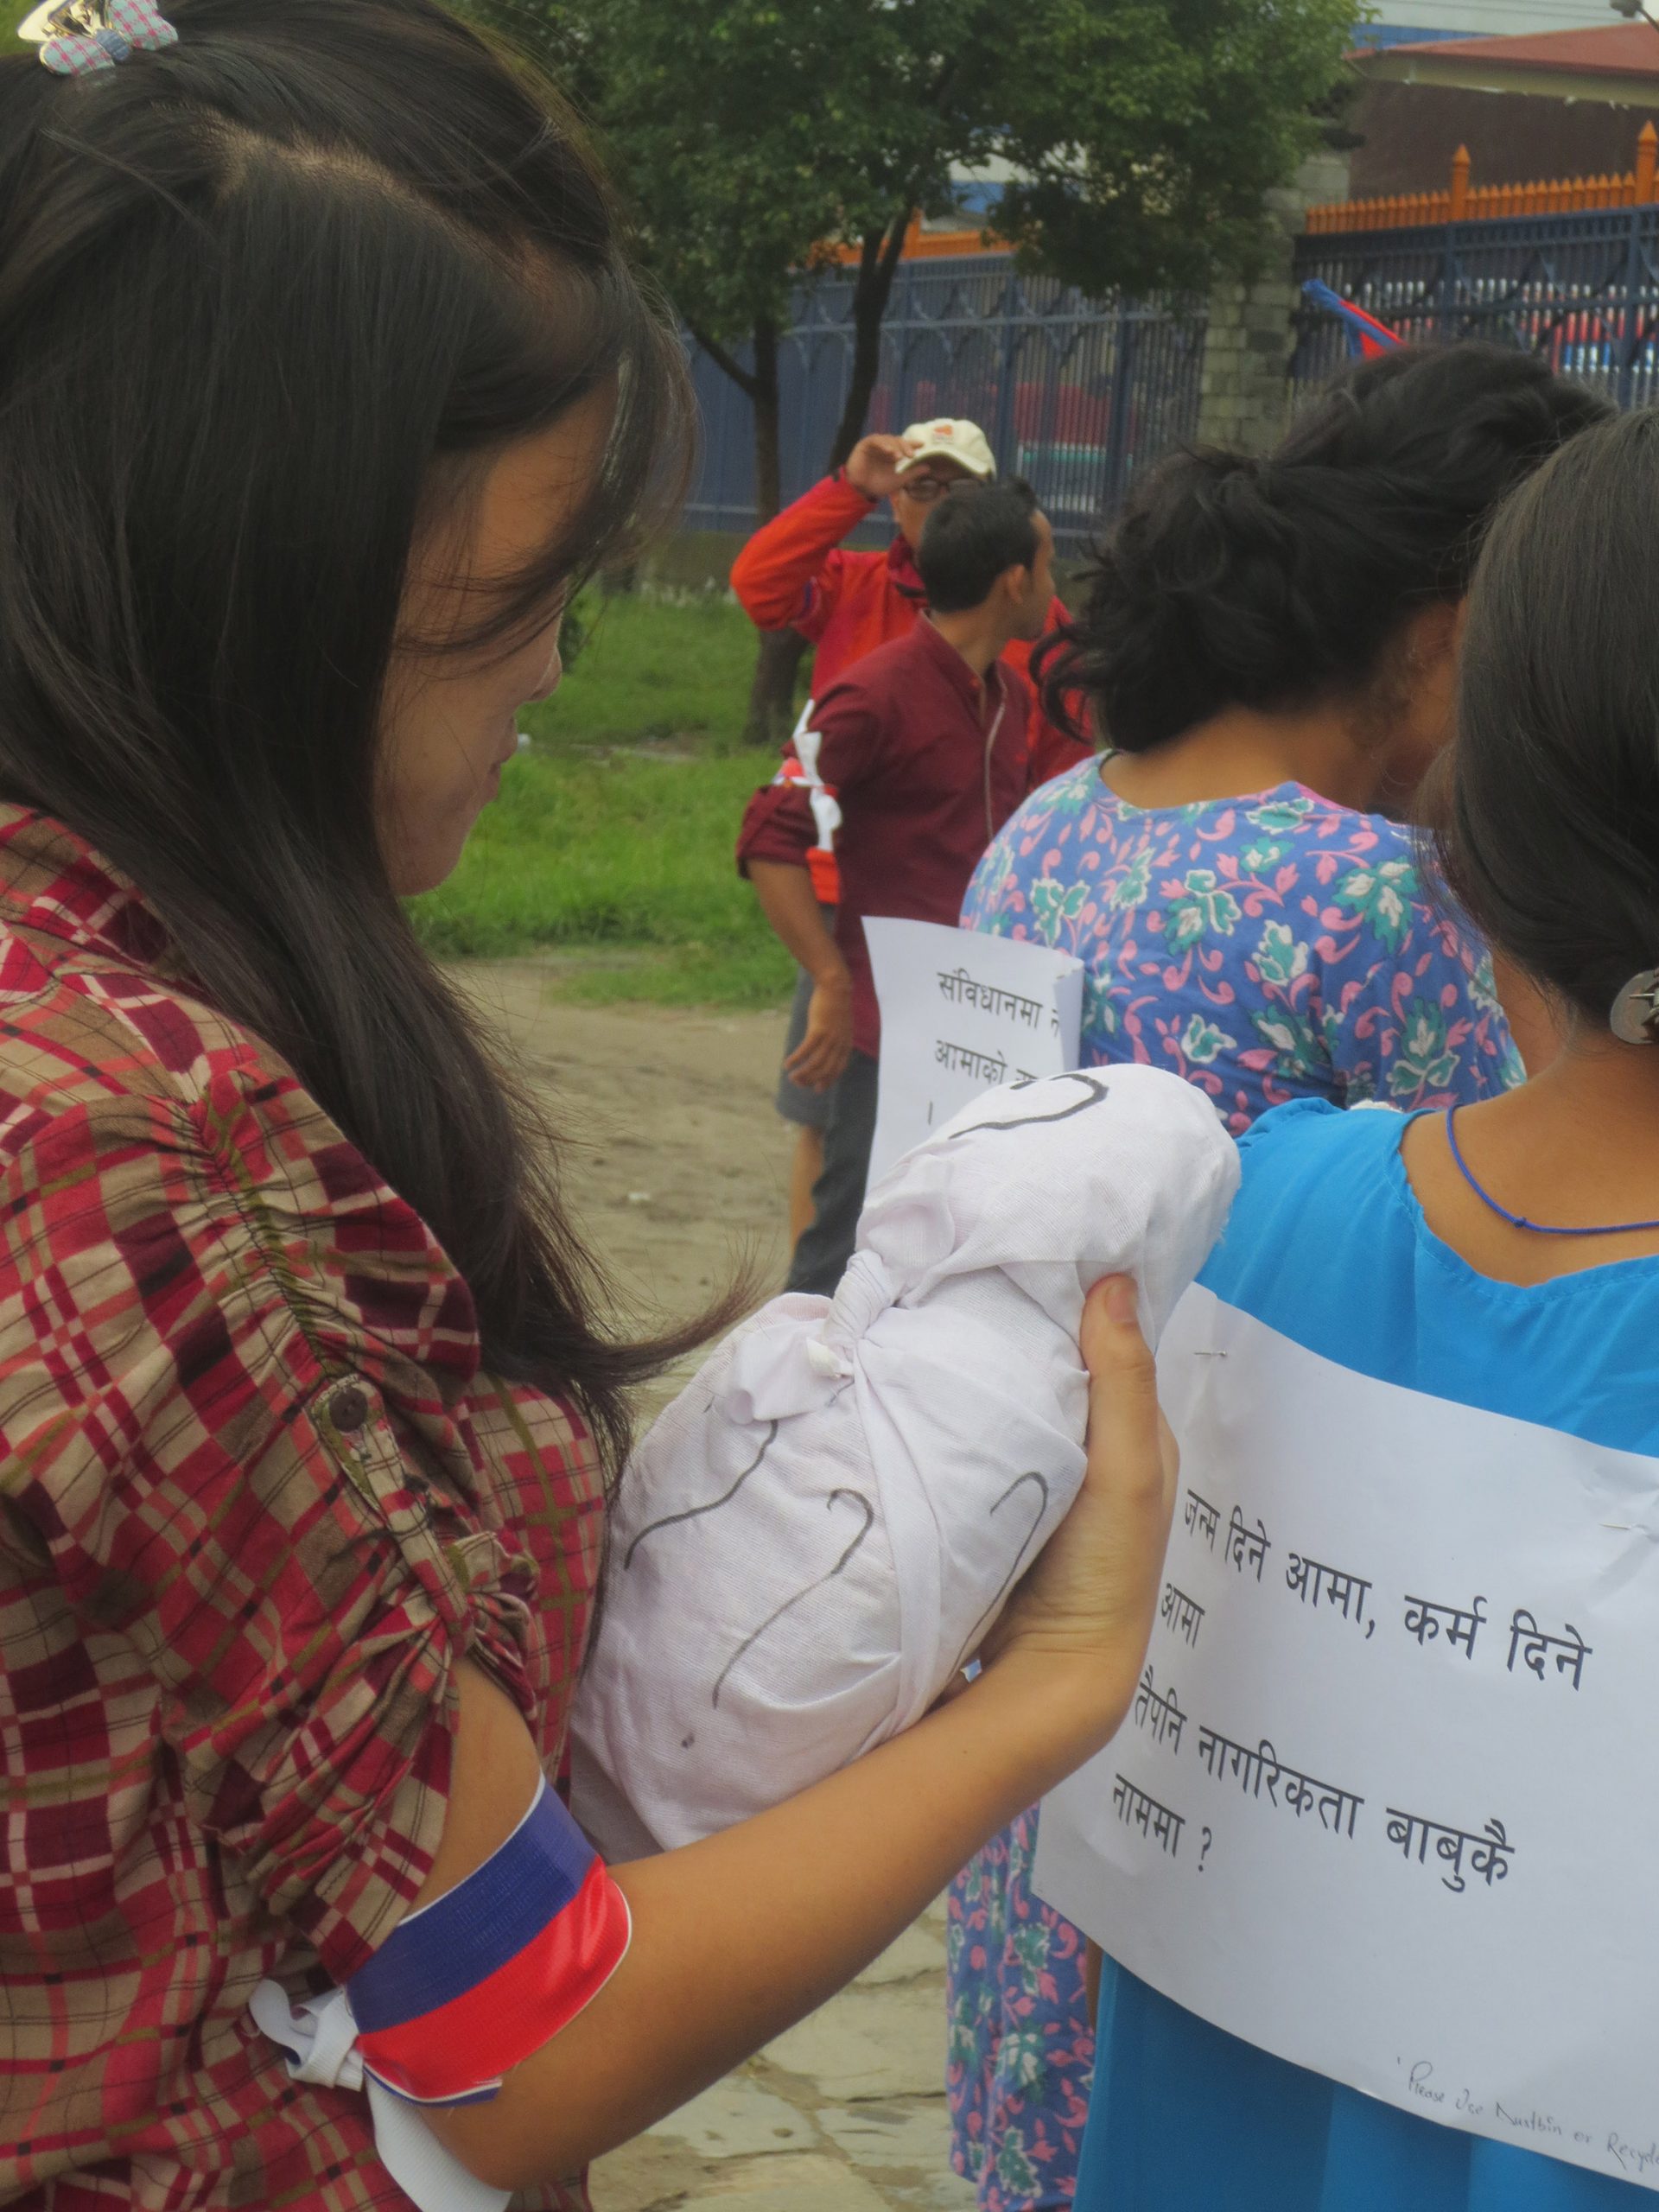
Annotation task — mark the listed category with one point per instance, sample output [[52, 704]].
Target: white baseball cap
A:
[[946, 438]]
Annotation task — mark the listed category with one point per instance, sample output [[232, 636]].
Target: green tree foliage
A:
[[1142, 133], [749, 135], [1146, 132]]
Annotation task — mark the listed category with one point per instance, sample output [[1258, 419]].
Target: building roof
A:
[[1614, 62]]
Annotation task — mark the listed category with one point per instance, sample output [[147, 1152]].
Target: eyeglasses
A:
[[925, 490]]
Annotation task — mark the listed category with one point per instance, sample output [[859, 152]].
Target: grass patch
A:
[[757, 976], [648, 671], [614, 833]]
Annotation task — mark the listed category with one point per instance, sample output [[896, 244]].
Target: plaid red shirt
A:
[[256, 1500]]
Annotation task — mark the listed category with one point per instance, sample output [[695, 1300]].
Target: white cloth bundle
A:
[[821, 1529]]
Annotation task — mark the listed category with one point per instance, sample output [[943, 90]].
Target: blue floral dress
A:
[[1268, 948]]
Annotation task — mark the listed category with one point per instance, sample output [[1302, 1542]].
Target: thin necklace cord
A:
[[1519, 1220]]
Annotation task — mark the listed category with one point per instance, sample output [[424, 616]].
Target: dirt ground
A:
[[677, 1171], [677, 1164]]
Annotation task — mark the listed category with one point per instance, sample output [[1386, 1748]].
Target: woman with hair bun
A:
[[1268, 648]]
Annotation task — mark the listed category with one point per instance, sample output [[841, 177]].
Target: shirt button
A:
[[349, 1408]]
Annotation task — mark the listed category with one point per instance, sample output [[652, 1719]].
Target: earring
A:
[[1635, 1017]]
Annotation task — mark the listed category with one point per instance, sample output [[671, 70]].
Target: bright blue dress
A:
[[1268, 948], [1186, 2118]]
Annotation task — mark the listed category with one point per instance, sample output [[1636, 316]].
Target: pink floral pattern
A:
[[1266, 948], [1022, 2051]]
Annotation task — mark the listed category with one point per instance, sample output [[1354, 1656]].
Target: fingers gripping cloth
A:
[[827, 1522], [466, 1987]]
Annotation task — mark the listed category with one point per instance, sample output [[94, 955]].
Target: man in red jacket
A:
[[794, 574], [924, 745]]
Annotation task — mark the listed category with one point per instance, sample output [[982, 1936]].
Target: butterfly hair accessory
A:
[[77, 36]]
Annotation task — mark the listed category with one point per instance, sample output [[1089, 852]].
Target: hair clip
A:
[[1635, 1017], [77, 36]]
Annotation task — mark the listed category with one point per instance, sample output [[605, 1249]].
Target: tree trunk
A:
[[768, 461], [772, 692], [878, 265]]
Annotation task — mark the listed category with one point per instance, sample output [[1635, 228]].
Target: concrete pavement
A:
[[844, 2112]]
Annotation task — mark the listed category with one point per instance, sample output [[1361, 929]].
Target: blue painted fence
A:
[[1074, 393], [1581, 288], [1081, 395]]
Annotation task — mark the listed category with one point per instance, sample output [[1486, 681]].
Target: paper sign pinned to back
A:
[[960, 1013], [1382, 1805]]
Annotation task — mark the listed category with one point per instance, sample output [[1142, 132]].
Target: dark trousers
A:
[[825, 1247]]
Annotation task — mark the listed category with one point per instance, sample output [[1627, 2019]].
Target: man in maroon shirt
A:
[[923, 744], [794, 573]]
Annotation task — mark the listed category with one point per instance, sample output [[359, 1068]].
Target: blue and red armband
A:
[[466, 1987]]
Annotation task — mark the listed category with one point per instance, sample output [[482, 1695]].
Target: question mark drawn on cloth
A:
[[1095, 1094], [855, 1497], [1015, 1486], [691, 1513], [1208, 1839]]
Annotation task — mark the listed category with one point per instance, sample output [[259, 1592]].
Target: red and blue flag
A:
[[1366, 336], [464, 1989]]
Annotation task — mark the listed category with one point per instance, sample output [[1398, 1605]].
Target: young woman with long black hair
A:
[[323, 377]]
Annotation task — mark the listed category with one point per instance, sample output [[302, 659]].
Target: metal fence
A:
[[1076, 394], [1580, 289], [1080, 395]]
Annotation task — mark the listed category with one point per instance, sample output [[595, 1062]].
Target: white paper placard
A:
[[961, 1012], [1384, 1805]]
